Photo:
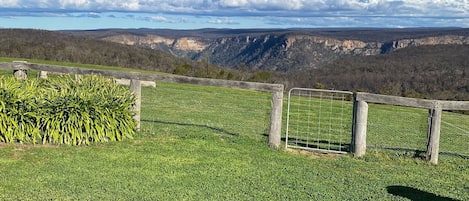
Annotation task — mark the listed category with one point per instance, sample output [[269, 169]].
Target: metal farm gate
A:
[[319, 120]]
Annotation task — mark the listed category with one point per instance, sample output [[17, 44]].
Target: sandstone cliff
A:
[[283, 51]]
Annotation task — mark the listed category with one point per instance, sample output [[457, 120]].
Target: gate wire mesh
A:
[[194, 111], [397, 128], [406, 129], [319, 120], [454, 134]]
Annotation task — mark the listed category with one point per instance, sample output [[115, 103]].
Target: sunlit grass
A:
[[209, 143]]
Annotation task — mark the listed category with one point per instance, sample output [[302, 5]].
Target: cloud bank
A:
[[271, 12], [305, 8]]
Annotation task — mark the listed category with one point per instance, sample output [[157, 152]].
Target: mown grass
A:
[[208, 143]]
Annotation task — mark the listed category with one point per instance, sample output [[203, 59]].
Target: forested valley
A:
[[433, 72]]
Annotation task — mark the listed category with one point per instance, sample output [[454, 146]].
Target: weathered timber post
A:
[[276, 118], [360, 118], [136, 88], [20, 69], [43, 74], [433, 141]]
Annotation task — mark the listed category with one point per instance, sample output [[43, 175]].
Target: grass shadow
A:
[[321, 144], [220, 130], [415, 194], [417, 153]]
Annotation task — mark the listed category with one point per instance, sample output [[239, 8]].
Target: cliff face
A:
[[435, 40], [275, 51]]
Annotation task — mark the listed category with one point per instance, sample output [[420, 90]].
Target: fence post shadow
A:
[[415, 194], [194, 125]]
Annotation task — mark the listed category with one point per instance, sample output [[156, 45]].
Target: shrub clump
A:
[[65, 110]]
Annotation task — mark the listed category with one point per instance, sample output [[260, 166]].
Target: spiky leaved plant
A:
[[65, 110]]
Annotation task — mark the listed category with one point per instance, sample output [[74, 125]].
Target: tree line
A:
[[433, 72], [55, 46]]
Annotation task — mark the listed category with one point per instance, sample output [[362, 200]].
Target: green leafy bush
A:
[[65, 110]]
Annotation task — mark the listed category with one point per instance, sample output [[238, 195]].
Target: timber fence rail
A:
[[435, 108], [20, 69]]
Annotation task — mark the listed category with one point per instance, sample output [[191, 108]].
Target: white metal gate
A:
[[319, 120]]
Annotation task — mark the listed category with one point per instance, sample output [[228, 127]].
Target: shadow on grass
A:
[[319, 144], [192, 125], [418, 153], [415, 194]]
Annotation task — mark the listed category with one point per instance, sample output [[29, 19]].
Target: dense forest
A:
[[56, 46], [434, 72]]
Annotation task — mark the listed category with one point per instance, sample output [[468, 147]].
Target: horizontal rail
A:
[[320, 90], [411, 102], [149, 77]]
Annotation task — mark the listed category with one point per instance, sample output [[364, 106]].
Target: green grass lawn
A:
[[208, 143]]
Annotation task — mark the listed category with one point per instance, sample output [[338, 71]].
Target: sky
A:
[[196, 14]]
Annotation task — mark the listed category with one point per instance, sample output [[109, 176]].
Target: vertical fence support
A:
[[276, 118], [360, 118], [20, 69], [433, 141], [136, 88], [43, 74]]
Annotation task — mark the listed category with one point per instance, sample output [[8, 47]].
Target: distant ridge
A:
[[433, 65], [279, 49], [57, 46]]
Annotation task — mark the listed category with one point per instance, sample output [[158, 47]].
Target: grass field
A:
[[208, 143]]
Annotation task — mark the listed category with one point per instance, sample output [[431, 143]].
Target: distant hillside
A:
[[279, 49], [434, 72], [433, 66], [55, 46], [422, 62], [58, 46]]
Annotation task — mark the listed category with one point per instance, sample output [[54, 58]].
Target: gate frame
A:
[[288, 119]]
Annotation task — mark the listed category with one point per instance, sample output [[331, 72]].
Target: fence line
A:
[[435, 108], [397, 127], [456, 134], [21, 67]]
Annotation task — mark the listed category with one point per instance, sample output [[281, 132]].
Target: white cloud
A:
[[222, 21], [295, 12], [233, 3], [256, 7], [8, 3]]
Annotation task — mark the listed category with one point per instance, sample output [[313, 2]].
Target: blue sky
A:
[[194, 14]]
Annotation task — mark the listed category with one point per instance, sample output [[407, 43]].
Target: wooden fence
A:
[[435, 108], [20, 69]]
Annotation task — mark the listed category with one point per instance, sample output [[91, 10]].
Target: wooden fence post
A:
[[360, 118], [433, 142], [136, 88], [20, 69], [43, 74], [276, 118]]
